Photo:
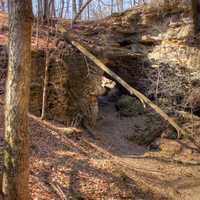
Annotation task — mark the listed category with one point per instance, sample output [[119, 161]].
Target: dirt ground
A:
[[105, 165]]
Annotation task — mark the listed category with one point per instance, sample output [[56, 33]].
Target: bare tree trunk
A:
[[112, 5], [88, 12], [67, 8], [46, 79], [52, 10], [62, 6], [37, 24], [121, 4], [117, 4], [99, 12], [80, 3], [2, 5], [74, 9], [46, 10], [40, 9], [16, 154]]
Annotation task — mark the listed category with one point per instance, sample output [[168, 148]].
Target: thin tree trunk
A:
[[121, 3], [40, 9], [46, 78], [16, 154], [62, 6], [37, 24], [88, 11], [51, 8], [112, 5], [2, 5], [74, 9], [79, 6], [46, 10], [117, 3]]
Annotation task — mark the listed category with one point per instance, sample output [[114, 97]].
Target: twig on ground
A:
[[58, 190]]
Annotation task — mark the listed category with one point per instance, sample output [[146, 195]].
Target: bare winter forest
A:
[[100, 100]]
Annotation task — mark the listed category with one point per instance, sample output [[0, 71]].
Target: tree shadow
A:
[[85, 170]]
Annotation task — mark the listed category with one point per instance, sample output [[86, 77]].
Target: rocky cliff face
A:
[[152, 48]]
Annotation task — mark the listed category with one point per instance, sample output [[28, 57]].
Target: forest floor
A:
[[107, 165]]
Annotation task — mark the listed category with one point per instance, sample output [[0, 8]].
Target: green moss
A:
[[129, 106]]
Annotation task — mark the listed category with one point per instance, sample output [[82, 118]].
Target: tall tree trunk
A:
[[46, 10], [62, 7], [16, 155], [121, 4], [88, 12], [112, 5], [46, 78], [53, 9], [80, 3], [74, 9], [2, 5], [67, 8], [117, 5], [40, 9]]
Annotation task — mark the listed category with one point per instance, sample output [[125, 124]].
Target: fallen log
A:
[[56, 128], [131, 90]]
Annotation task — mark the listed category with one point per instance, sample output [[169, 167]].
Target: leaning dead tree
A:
[[16, 154]]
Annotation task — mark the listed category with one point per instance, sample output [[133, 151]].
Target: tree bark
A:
[[2, 5], [79, 6], [46, 10], [16, 154], [62, 7], [74, 9], [46, 78]]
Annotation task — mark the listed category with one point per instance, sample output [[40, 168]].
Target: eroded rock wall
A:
[[73, 86], [154, 49]]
